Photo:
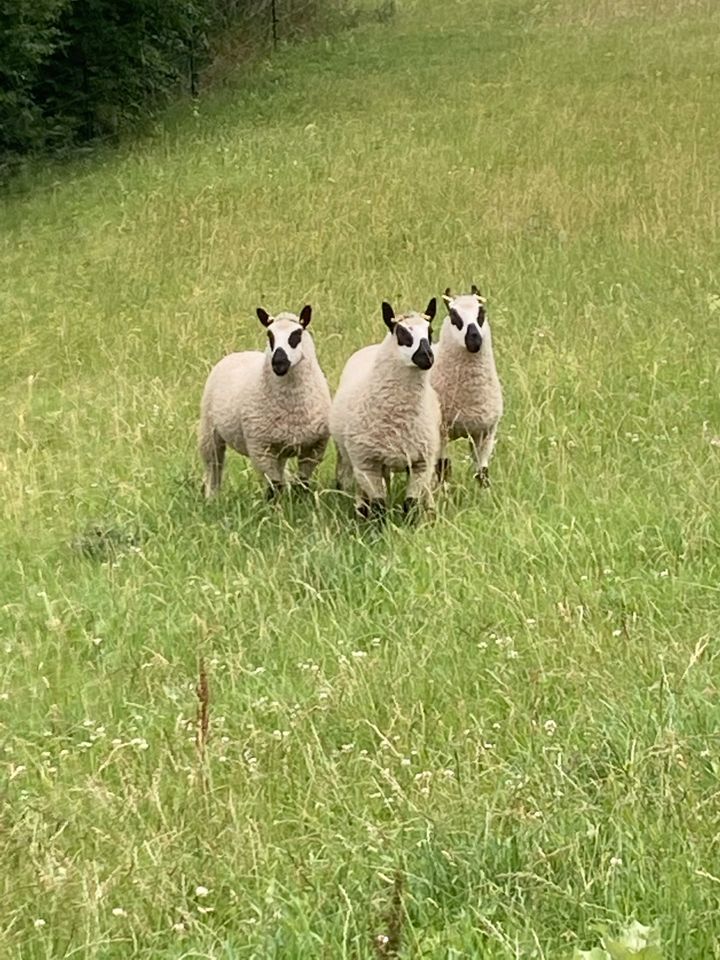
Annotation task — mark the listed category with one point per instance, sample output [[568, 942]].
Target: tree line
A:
[[72, 71]]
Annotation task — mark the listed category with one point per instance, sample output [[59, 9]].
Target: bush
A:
[[74, 70]]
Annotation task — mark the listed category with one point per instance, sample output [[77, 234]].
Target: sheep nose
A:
[[473, 339], [423, 356], [280, 362]]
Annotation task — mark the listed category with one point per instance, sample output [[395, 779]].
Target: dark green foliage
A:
[[75, 70], [29, 37]]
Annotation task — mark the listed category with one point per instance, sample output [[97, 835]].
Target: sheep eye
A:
[[455, 319], [294, 338], [403, 335], [271, 338]]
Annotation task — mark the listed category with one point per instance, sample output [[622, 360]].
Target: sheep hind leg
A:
[[482, 447], [212, 452]]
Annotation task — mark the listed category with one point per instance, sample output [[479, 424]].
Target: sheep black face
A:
[[467, 315], [285, 338], [412, 335]]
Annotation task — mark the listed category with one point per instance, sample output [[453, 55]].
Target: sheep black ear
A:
[[431, 308], [263, 317], [388, 316], [474, 289], [306, 315], [447, 297]]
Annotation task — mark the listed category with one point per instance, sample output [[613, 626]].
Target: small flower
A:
[[376, 641], [512, 654], [359, 654], [382, 940], [617, 633], [405, 762], [39, 923], [201, 891], [119, 912], [97, 641], [615, 861], [664, 573], [550, 727], [347, 747], [179, 927]]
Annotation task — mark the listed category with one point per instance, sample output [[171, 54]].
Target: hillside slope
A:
[[476, 737]]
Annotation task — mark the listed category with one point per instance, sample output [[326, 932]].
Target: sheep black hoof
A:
[[442, 469], [273, 491], [371, 509], [411, 508], [483, 477]]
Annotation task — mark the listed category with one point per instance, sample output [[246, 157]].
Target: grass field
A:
[[479, 737]]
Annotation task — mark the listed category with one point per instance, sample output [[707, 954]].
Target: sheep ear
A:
[[475, 291], [306, 315], [431, 308], [388, 316], [447, 297], [263, 317]]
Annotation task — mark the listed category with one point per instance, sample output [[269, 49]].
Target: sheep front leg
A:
[[482, 447], [343, 470], [272, 468], [212, 452], [371, 484], [419, 485], [442, 465], [308, 460]]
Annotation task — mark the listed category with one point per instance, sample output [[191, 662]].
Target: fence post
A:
[[273, 13]]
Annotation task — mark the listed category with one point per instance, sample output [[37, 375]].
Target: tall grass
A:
[[476, 737]]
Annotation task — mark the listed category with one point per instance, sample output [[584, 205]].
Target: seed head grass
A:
[[242, 730]]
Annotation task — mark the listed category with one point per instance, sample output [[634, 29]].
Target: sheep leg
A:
[[212, 452], [371, 483], [273, 470], [343, 470], [482, 447], [419, 485], [308, 460], [442, 465]]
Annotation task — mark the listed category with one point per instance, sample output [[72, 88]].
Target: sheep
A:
[[268, 406], [386, 417], [466, 382]]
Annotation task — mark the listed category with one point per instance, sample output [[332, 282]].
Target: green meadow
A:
[[245, 730]]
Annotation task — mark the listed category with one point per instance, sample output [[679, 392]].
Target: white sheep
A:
[[386, 417], [466, 381], [268, 406]]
